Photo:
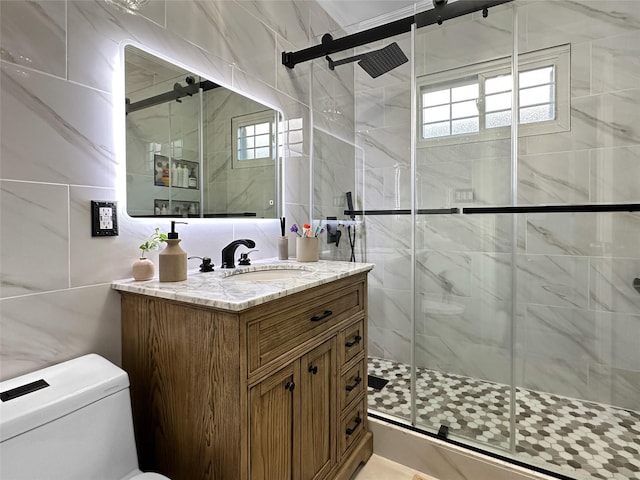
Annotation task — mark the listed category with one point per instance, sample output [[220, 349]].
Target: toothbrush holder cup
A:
[[307, 249]]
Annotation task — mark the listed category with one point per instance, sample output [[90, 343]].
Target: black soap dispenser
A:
[[173, 259]]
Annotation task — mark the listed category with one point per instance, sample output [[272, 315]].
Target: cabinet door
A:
[[318, 374], [274, 426]]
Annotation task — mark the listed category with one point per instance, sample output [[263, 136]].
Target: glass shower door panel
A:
[[463, 311], [578, 331], [390, 327], [463, 263], [383, 131], [578, 323]]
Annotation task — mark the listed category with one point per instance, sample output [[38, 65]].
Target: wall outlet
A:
[[339, 201], [463, 195], [104, 219]]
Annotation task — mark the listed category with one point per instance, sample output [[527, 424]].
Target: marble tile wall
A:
[[61, 76], [573, 277]]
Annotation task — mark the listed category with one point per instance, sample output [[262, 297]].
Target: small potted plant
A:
[[143, 268]]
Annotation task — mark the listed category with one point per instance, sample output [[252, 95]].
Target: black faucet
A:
[[229, 251]]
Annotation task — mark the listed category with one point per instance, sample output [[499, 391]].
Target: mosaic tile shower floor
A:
[[577, 438]]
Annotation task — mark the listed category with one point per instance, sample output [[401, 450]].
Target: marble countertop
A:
[[225, 290]]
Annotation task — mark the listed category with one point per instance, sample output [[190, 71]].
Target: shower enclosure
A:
[[502, 308]]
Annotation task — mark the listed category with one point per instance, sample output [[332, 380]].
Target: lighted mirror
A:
[[195, 148]]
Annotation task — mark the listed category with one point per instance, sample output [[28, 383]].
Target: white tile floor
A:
[[379, 468]]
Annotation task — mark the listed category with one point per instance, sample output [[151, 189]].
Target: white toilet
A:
[[71, 421]]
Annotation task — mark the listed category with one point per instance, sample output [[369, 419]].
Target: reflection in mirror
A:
[[194, 148]]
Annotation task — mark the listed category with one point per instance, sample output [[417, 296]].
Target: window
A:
[[474, 103], [254, 139]]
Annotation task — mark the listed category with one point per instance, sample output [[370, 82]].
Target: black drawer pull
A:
[[355, 341], [357, 422], [290, 386], [356, 382], [313, 369], [317, 318]]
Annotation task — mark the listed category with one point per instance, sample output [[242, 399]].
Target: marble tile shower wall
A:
[[578, 317], [335, 156], [60, 67]]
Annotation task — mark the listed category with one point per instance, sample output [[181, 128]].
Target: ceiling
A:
[[358, 14]]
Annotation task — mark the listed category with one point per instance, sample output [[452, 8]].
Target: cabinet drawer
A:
[[352, 425], [352, 341], [352, 383], [279, 333]]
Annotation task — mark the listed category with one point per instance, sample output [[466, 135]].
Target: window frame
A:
[[558, 57], [265, 116]]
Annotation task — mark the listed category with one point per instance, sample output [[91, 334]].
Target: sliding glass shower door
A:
[[527, 235], [464, 285]]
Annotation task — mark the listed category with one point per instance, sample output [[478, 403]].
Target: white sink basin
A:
[[267, 275]]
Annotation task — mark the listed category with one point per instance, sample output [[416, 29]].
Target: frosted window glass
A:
[[262, 141], [439, 97], [262, 128], [468, 125], [500, 101], [466, 92], [243, 155], [464, 109], [500, 119], [436, 130], [501, 83], [262, 152], [535, 77], [434, 114], [295, 137], [295, 124], [536, 95], [541, 113]]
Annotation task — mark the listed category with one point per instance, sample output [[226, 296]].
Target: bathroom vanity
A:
[[257, 375]]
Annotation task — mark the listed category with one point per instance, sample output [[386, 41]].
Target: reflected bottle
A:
[[185, 177]]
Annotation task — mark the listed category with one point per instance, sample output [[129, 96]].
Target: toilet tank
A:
[[71, 421]]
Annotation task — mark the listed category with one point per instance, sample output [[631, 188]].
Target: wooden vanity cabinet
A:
[[256, 394], [293, 419]]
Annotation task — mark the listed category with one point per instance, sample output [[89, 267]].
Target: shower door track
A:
[[611, 207], [467, 446]]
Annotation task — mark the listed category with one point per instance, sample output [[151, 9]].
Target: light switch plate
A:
[[104, 219]]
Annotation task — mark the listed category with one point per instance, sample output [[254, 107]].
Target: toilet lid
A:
[[149, 476]]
